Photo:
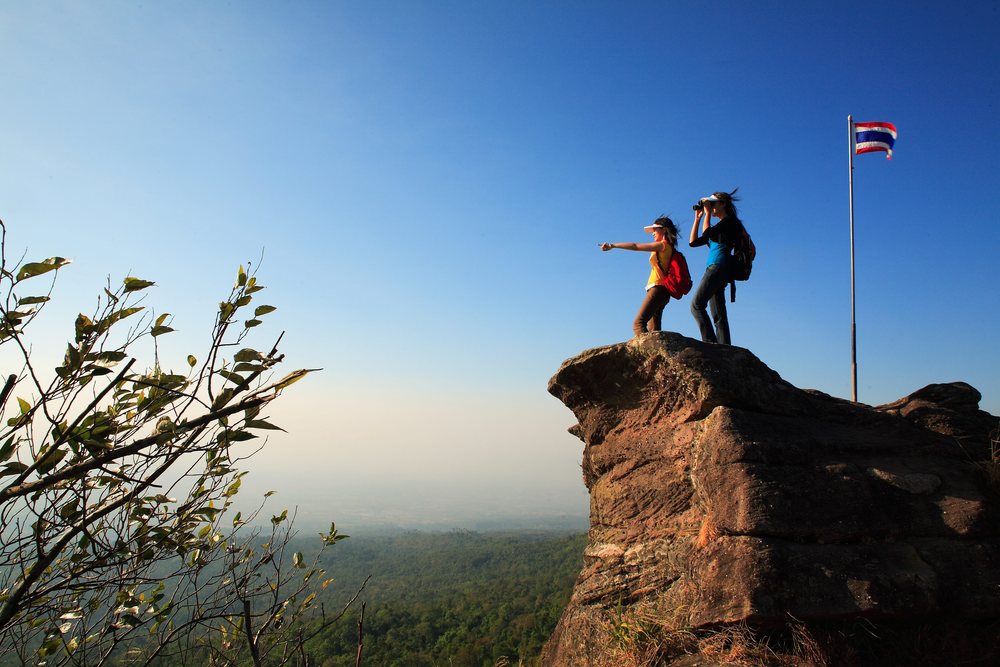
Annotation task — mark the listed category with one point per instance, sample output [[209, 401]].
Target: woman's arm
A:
[[657, 246], [695, 239]]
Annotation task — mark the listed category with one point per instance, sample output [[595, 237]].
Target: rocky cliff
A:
[[721, 494]]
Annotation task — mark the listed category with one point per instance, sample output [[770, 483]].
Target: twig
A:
[[248, 628], [303, 656], [7, 388], [328, 622], [361, 634]]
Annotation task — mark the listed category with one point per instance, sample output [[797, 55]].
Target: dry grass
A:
[[639, 639], [992, 467], [643, 640], [504, 661], [709, 532]]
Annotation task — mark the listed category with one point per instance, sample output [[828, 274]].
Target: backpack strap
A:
[[732, 283], [656, 256], [659, 266]]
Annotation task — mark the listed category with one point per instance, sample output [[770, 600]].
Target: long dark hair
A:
[[669, 227], [727, 199]]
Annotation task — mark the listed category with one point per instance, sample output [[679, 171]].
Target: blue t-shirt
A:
[[717, 253], [720, 239]]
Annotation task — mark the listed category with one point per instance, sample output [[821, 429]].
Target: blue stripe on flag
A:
[[875, 135]]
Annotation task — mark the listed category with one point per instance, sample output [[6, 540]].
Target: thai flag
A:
[[869, 137]]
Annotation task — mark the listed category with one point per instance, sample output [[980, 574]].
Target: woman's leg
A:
[[713, 283], [660, 299], [650, 310], [717, 304]]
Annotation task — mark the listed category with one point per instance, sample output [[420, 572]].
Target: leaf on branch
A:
[[293, 377], [13, 468], [241, 277], [333, 536], [249, 324], [235, 436], [69, 510], [233, 489], [133, 284], [159, 331], [23, 405], [192, 361], [260, 423], [263, 310], [109, 359], [276, 520], [84, 325], [232, 377], [33, 269], [117, 316], [244, 366], [128, 621], [170, 380], [30, 300], [248, 354], [14, 317], [8, 449], [222, 399], [49, 460], [164, 425], [72, 358], [161, 319]]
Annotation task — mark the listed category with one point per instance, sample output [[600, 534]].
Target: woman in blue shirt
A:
[[720, 239]]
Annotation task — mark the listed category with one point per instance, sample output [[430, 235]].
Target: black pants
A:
[[651, 310]]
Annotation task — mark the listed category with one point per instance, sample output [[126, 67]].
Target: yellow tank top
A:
[[655, 275]]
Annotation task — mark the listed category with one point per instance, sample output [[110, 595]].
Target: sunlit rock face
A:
[[719, 493]]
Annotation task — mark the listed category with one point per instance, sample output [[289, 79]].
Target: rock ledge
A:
[[722, 494]]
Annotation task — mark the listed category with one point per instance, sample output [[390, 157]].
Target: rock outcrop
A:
[[722, 494]]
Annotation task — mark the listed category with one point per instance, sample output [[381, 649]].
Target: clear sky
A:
[[428, 182]]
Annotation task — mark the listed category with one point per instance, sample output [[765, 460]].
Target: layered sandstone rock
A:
[[722, 494]]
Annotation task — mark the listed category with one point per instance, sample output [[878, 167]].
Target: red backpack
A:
[[677, 278]]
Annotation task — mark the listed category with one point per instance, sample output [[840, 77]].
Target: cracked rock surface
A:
[[719, 493]]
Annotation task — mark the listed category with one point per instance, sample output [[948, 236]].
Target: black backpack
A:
[[741, 263]]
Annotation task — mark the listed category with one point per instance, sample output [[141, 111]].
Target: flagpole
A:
[[854, 340]]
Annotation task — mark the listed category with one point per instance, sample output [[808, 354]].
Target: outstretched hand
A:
[[606, 246]]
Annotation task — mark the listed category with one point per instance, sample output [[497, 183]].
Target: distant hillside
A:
[[457, 598]]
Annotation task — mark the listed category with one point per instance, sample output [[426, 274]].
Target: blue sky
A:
[[428, 183]]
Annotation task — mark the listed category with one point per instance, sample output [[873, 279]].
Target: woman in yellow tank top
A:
[[664, 233]]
